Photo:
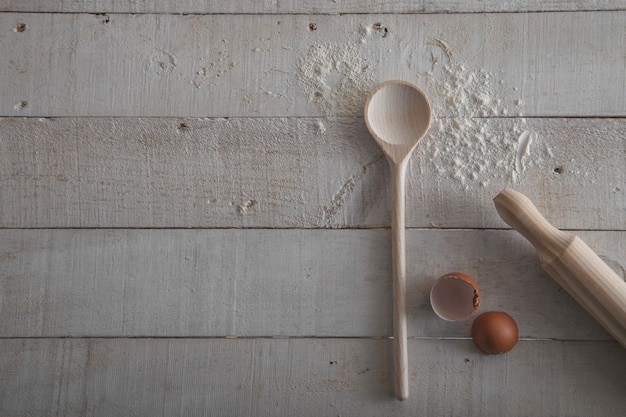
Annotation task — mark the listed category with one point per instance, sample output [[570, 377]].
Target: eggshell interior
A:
[[454, 297]]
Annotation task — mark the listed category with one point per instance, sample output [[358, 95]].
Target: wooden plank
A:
[[533, 64], [294, 6], [268, 172], [305, 377], [273, 282]]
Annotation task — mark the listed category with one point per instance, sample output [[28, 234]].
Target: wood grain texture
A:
[[295, 6], [305, 377], [303, 173], [570, 262], [533, 64], [399, 273], [133, 137], [397, 115], [173, 283]]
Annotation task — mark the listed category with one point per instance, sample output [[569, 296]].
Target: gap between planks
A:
[[312, 337], [338, 118], [304, 13], [299, 228]]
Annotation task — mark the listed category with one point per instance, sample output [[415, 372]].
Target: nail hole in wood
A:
[[559, 170], [105, 18], [312, 26], [382, 30]]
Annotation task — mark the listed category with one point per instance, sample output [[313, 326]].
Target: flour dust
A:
[[472, 139], [337, 76]]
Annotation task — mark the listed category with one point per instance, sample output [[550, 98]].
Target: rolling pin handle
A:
[[521, 214]]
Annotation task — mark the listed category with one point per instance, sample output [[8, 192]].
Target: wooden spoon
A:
[[397, 114]]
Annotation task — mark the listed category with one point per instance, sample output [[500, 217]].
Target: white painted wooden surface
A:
[[302, 173], [328, 283], [538, 64], [295, 6], [168, 184], [306, 377]]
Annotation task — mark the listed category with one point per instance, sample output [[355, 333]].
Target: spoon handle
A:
[[398, 255]]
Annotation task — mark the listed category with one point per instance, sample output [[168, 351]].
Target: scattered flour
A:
[[208, 73], [466, 92], [523, 149], [477, 151], [471, 139], [336, 76], [321, 127]]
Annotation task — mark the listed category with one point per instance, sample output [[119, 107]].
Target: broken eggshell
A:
[[455, 296], [494, 332]]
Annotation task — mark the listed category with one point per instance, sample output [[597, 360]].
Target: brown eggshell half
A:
[[455, 296], [494, 332]]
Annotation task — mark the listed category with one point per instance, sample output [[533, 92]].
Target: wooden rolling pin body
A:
[[570, 262]]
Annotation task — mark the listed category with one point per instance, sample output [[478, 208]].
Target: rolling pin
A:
[[570, 262]]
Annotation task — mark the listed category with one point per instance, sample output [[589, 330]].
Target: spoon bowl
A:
[[397, 114]]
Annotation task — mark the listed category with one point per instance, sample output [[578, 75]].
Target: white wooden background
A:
[[186, 230]]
